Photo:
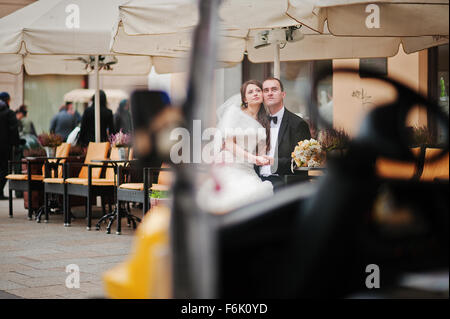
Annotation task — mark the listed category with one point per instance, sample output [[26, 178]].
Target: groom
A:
[[286, 130]]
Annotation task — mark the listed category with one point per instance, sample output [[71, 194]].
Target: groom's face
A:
[[273, 96]]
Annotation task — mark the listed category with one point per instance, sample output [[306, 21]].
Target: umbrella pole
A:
[[276, 61], [97, 101]]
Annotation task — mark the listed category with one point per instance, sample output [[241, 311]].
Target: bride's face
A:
[[253, 94]]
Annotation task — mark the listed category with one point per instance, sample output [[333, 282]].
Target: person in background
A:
[[326, 106], [26, 126], [73, 111], [63, 123], [87, 129], [4, 96], [122, 118], [9, 135]]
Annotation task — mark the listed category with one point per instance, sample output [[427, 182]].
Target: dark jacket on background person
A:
[[9, 137], [122, 118], [63, 123], [87, 128], [9, 130]]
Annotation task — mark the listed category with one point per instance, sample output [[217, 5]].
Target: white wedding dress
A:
[[233, 182]]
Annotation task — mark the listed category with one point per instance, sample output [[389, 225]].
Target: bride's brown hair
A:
[[263, 115]]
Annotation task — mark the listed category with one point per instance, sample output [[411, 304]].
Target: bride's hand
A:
[[270, 159], [261, 161]]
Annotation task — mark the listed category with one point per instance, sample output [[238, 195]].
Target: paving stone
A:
[[12, 276], [7, 284], [42, 292], [33, 257], [14, 267], [5, 295], [41, 281], [100, 268]]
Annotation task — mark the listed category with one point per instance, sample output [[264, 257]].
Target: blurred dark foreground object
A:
[[325, 245], [151, 114]]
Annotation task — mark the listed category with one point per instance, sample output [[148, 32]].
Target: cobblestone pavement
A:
[[33, 257]]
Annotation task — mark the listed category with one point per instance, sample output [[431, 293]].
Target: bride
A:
[[244, 126]]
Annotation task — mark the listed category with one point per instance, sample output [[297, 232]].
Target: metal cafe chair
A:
[[58, 185], [140, 192], [30, 182], [93, 185]]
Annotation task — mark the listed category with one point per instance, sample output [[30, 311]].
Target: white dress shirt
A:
[[274, 129]]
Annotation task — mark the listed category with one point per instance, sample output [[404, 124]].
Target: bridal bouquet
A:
[[308, 153]]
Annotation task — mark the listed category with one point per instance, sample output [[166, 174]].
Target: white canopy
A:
[[145, 26], [48, 36], [397, 18], [149, 26], [65, 37], [325, 46]]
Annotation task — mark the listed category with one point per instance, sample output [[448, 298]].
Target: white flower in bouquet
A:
[[307, 153]]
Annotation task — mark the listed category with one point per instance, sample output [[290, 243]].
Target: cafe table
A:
[[303, 174]]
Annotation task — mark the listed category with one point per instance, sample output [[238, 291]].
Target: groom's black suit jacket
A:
[[292, 130]]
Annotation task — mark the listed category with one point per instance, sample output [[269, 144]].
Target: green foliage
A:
[[159, 194]]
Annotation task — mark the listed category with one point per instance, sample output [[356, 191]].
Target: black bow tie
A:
[[274, 119]]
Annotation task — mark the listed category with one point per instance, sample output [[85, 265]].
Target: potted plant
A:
[[50, 142], [158, 196], [334, 141], [421, 136], [122, 141], [34, 152]]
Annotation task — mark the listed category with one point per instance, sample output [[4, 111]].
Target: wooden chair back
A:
[[61, 151], [95, 151], [165, 177]]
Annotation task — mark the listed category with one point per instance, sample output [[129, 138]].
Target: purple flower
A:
[[120, 139]]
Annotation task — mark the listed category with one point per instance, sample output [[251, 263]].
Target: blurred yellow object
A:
[[389, 168], [437, 169], [146, 274]]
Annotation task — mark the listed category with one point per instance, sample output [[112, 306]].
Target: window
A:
[[438, 85]]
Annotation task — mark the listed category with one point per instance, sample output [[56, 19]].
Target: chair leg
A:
[[10, 204], [30, 211], [64, 210], [66, 207], [119, 219], [46, 207], [103, 206], [89, 211]]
